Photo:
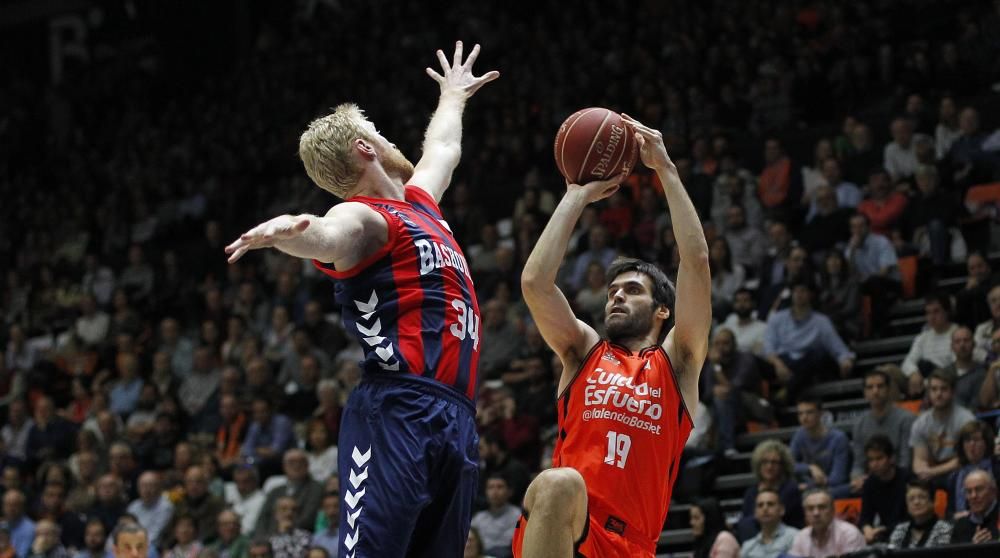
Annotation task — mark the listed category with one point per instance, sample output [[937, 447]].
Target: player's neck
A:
[[376, 183], [636, 344]]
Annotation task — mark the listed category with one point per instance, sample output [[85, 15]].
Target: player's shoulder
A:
[[351, 210], [595, 347], [348, 212], [360, 221]]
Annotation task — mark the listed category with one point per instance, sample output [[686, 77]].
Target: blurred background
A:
[[138, 138]]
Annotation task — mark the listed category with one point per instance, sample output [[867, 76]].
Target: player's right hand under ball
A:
[[599, 189]]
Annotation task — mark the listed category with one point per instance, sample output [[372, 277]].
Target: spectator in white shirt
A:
[[946, 131], [749, 331], [931, 349], [322, 451], [496, 523], [983, 336], [245, 496], [900, 155], [92, 325]]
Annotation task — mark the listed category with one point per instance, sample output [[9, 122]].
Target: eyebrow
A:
[[628, 283]]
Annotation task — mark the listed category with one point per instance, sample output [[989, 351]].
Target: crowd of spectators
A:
[[142, 379]]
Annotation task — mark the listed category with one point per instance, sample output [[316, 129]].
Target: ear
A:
[[663, 313], [365, 149]]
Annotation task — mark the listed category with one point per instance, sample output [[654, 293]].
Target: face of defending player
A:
[[387, 154], [631, 312]]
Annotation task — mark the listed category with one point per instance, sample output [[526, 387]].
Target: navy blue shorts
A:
[[409, 468]]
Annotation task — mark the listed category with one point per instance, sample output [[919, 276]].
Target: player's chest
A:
[[426, 246], [632, 384]]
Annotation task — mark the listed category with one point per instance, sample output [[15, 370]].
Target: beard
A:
[[743, 313], [396, 164], [622, 327]]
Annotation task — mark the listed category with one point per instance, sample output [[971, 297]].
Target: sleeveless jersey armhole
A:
[[677, 384], [579, 369], [392, 224], [421, 199]]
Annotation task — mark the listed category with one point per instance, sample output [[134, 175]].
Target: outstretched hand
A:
[[457, 76], [265, 235], [599, 189], [651, 149]]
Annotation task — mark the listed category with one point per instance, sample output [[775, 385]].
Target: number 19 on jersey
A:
[[618, 446]]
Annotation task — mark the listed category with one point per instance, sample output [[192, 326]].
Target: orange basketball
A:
[[594, 144]]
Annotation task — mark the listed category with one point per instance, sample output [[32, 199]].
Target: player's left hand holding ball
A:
[[651, 149]]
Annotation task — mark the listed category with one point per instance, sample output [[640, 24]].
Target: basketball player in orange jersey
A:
[[623, 401]]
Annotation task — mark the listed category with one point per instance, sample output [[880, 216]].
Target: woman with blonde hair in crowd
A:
[[773, 468]]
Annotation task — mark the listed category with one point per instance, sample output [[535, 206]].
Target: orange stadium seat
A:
[[908, 275], [983, 193], [912, 405], [940, 502], [848, 509]]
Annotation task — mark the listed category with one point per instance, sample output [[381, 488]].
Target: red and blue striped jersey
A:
[[412, 304]]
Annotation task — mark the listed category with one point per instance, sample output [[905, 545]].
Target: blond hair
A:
[[767, 447], [326, 145]]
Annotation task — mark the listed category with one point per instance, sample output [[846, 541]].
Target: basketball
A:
[[594, 144]]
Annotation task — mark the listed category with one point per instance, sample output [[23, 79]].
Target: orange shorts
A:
[[596, 542]]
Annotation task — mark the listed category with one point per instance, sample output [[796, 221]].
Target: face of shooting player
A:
[[630, 309]]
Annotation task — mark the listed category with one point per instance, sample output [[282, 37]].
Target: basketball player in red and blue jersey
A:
[[408, 459], [623, 403]]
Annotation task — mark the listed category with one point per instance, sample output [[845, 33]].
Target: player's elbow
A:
[[446, 152], [530, 280], [697, 259], [535, 282]]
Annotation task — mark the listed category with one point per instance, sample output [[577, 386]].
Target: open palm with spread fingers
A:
[[599, 189], [651, 149], [457, 76], [265, 235]]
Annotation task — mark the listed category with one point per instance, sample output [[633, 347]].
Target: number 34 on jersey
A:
[[467, 323]]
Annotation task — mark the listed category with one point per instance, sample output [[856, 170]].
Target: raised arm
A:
[[687, 342], [443, 139], [569, 337], [344, 235]]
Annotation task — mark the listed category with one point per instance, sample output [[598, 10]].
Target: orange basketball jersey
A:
[[623, 426]]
